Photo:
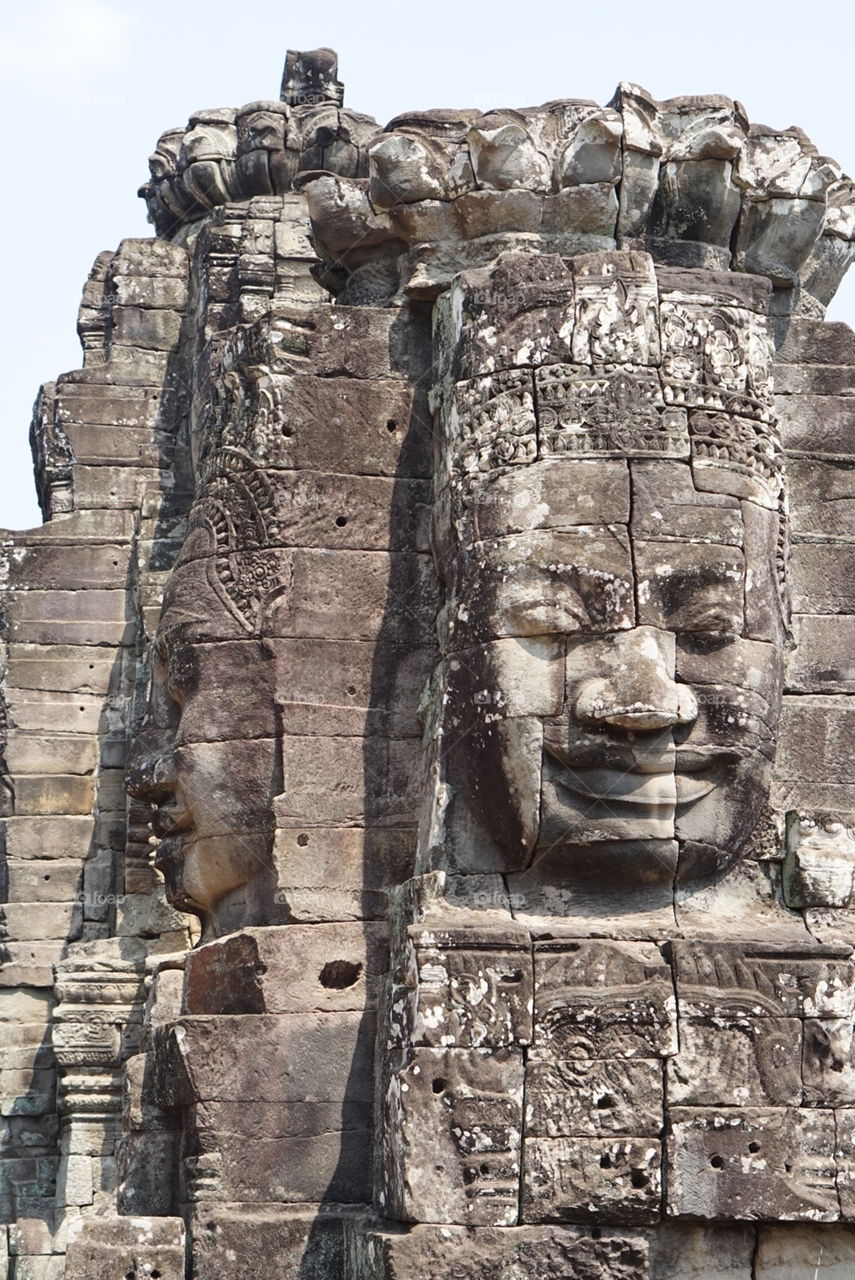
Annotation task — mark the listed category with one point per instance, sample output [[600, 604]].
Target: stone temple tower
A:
[[427, 783]]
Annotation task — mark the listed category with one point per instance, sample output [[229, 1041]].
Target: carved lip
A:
[[168, 819], [620, 786], [168, 852], [666, 779]]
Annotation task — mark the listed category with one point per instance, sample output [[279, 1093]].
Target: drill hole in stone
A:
[[717, 1162], [302, 840], [639, 1178], [606, 1102], [438, 1085], [338, 975], [341, 521], [351, 690], [606, 1161], [391, 425], [754, 1147]]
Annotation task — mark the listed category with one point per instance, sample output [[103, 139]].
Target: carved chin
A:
[[170, 862], [200, 872]]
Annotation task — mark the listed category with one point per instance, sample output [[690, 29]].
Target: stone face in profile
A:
[[612, 536], [206, 756]]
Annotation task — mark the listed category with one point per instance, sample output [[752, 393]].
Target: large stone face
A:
[[448, 541]]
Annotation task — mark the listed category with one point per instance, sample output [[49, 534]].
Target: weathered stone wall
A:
[[321, 998]]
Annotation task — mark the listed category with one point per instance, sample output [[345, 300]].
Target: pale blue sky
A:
[[88, 85]]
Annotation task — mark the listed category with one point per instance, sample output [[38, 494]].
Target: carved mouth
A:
[[170, 826], [661, 781], [617, 786], [169, 852], [167, 819]]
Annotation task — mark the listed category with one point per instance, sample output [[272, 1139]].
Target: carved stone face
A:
[[206, 755], [614, 671]]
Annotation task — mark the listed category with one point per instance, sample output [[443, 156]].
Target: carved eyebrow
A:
[[179, 628], [700, 597], [686, 582]]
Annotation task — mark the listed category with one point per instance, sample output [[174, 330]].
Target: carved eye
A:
[[708, 638]]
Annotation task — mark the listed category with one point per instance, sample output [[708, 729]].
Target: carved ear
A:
[[275, 613]]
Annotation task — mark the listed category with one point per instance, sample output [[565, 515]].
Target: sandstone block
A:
[[733, 1061], [603, 1000], [594, 1098], [350, 512], [788, 1252], [383, 435], [680, 1251], [353, 688], [452, 1140], [148, 1164], [29, 1009], [78, 568], [822, 577], [295, 969], [100, 487], [147, 256], [49, 837], [75, 1181], [351, 342], [35, 753], [38, 921], [762, 981], [822, 661], [102, 1248], [339, 873], [817, 342], [822, 496], [117, 447], [752, 1163], [54, 793], [359, 595], [470, 999], [53, 880], [603, 1180], [30, 964], [27, 1092], [814, 743], [376, 781], [482, 1253], [817, 424], [316, 1057], [294, 1154], [126, 407], [149, 291], [304, 1242]]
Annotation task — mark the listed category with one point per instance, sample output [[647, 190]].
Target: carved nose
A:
[[637, 690]]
